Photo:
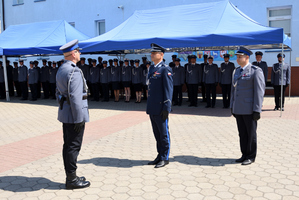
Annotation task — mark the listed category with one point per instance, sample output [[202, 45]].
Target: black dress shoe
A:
[[275, 109], [240, 159], [247, 162], [282, 109], [154, 162], [23, 99], [77, 183], [208, 107], [162, 163]]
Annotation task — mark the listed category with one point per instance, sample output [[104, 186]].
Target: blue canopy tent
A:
[[196, 25], [36, 38]]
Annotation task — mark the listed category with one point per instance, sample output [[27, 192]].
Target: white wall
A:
[[85, 13]]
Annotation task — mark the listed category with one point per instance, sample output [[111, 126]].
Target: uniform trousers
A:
[[52, 89], [96, 91], [10, 88], [193, 88], [211, 88], [2, 90], [226, 90], [46, 89], [203, 91], [71, 147], [24, 89], [105, 87], [247, 134], [177, 94], [18, 88], [277, 93], [38, 89], [33, 89], [161, 133]]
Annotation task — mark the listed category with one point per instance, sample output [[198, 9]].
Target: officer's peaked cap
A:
[[243, 51], [70, 46], [157, 48]]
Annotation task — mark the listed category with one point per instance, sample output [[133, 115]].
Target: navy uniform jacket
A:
[[247, 92], [15, 74], [38, 69], [115, 73], [193, 73], [226, 73], [137, 74], [178, 75], [126, 74], [9, 69], [160, 89], [32, 76], [210, 74], [53, 72], [85, 69], [104, 75], [263, 65], [22, 73], [94, 76], [276, 74], [1, 74], [70, 82], [44, 74]]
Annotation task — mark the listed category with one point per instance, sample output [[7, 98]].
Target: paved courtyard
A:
[[118, 143]]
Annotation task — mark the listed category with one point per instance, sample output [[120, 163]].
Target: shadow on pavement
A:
[[28, 184], [193, 160], [114, 162]]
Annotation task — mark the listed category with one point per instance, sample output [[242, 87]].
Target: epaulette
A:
[[254, 67]]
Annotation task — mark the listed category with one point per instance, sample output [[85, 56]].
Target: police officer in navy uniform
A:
[[210, 78], [246, 103], [33, 80], [94, 79], [172, 64], [159, 103], [225, 79], [23, 73], [71, 93], [203, 87], [277, 82], [104, 79], [2, 84], [44, 78], [262, 64], [9, 70], [193, 78], [178, 81], [39, 82], [53, 72], [126, 77], [16, 79]]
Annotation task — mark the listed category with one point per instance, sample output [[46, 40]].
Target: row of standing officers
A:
[[131, 75]]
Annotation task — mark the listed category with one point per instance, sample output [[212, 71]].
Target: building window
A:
[[18, 2], [100, 27], [72, 24], [281, 18], [38, 0]]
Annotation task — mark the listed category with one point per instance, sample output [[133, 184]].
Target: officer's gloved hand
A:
[[256, 116], [164, 115], [231, 110], [78, 127]]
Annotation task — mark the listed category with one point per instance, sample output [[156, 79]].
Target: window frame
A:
[[98, 26], [280, 18]]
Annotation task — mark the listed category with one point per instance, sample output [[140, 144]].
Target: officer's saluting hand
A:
[[160, 88]]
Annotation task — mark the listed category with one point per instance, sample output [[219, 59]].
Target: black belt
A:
[[84, 97]]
